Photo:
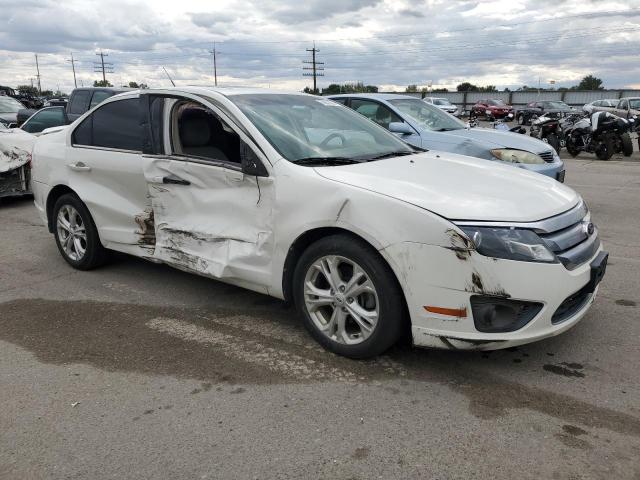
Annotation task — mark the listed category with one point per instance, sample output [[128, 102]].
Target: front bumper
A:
[[442, 276], [15, 182], [553, 169]]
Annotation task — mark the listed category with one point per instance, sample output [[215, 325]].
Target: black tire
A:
[[391, 306], [95, 254], [552, 140], [604, 151], [627, 144], [571, 148]]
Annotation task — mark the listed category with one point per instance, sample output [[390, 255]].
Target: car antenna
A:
[[170, 79]]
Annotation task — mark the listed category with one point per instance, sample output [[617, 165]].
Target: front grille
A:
[[571, 305], [547, 156], [573, 244]]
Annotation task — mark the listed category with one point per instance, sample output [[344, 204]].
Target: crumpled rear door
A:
[[212, 220]]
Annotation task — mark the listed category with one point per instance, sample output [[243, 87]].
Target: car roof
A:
[[374, 96]]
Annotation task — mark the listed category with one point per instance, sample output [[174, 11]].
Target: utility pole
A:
[[103, 66], [38, 75], [73, 66], [215, 65], [315, 67]]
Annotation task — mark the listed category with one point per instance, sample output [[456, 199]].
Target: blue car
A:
[[426, 126]]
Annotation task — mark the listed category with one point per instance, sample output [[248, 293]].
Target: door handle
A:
[[79, 167], [175, 181]]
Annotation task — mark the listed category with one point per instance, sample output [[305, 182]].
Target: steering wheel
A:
[[331, 136]]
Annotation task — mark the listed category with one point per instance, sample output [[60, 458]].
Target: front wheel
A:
[[76, 234], [348, 297], [571, 147], [604, 150]]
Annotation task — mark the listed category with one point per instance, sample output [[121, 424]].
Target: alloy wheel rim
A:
[[341, 299], [72, 233]]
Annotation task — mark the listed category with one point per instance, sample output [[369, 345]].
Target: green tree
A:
[[437, 90], [102, 83], [133, 85], [411, 88], [357, 87], [488, 88], [27, 90], [590, 83], [467, 87]]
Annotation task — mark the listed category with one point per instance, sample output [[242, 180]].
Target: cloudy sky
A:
[[389, 43]]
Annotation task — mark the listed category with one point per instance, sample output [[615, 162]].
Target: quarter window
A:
[[79, 102], [114, 125], [99, 97]]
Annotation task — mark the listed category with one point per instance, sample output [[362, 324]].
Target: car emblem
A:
[[588, 228]]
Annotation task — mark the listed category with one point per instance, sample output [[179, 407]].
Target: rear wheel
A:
[[552, 140], [627, 144], [348, 297], [76, 234]]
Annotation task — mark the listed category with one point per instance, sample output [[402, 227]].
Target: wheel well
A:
[[55, 193]]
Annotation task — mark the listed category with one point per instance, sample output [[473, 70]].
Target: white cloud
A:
[[381, 42]]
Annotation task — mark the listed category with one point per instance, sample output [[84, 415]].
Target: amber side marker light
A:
[[452, 312]]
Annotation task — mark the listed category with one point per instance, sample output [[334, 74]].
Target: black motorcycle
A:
[[550, 128], [603, 134]]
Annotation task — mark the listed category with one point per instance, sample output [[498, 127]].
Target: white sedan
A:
[[301, 198]]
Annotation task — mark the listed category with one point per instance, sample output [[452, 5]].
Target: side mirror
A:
[[401, 128], [251, 164]]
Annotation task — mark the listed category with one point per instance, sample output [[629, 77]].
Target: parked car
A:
[[300, 198], [28, 100], [9, 108], [85, 98], [45, 118], [548, 108], [605, 102], [627, 107], [426, 126], [443, 104], [491, 109], [15, 156], [56, 102]]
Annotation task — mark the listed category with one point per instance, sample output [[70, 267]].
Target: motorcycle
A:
[[550, 128], [502, 125], [603, 134]]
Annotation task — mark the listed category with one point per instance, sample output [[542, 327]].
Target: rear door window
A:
[[114, 125], [50, 117]]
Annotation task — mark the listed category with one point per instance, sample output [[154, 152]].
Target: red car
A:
[[491, 109]]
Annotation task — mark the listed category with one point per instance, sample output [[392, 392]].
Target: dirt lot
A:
[[140, 371]]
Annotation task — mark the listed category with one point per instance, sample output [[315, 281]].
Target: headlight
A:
[[509, 243], [516, 156]]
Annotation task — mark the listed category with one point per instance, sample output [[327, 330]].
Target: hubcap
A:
[[341, 299], [71, 233]]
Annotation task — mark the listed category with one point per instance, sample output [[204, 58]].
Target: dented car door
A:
[[209, 217]]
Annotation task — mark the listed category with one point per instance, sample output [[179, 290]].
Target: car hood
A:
[[460, 188], [15, 148], [8, 117], [493, 138]]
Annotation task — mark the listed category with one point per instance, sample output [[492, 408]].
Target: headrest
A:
[[194, 130]]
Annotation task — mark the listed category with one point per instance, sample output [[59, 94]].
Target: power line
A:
[[315, 67]]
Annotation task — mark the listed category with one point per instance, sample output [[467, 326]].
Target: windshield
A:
[[496, 103], [303, 127], [10, 105], [441, 101], [429, 117], [634, 103], [558, 105]]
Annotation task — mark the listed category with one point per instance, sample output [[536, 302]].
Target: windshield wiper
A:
[[326, 160], [391, 154]]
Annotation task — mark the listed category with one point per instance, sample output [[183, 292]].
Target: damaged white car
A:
[[15, 159], [301, 198]]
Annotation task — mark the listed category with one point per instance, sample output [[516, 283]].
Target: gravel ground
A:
[[138, 370]]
